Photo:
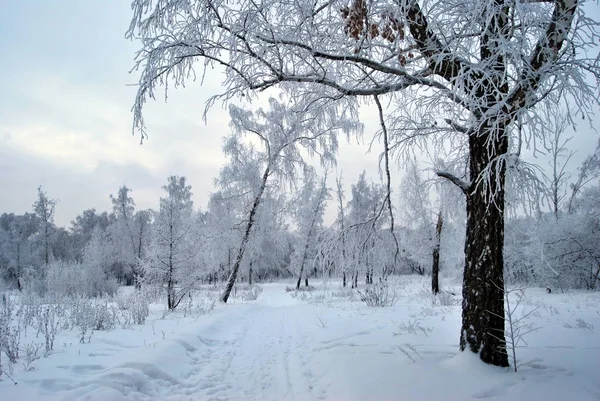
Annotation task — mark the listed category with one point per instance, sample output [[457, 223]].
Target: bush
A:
[[77, 280], [344, 293], [10, 335], [378, 295], [139, 309], [251, 294], [93, 315]]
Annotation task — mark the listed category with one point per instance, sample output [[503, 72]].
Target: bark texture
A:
[[483, 283], [435, 268], [245, 239]]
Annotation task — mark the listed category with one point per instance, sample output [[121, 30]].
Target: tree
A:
[[124, 233], [435, 266], [467, 71], [587, 172], [417, 214], [82, 228], [44, 207], [268, 247], [341, 220], [174, 246], [365, 220], [309, 214], [282, 131], [18, 233], [560, 156]]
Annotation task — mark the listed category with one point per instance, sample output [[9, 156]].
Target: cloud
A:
[[65, 119]]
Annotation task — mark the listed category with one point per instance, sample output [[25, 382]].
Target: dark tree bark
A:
[[246, 238], [250, 274], [344, 279], [435, 268], [483, 283]]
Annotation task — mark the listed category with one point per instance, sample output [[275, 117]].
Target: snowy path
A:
[[245, 352], [283, 348], [257, 355]]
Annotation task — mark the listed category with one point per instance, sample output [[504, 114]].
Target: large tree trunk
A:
[[483, 284], [246, 238], [435, 268]]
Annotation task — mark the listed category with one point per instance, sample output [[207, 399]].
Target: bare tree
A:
[[282, 131], [587, 172], [466, 70], [310, 216], [44, 209], [560, 156]]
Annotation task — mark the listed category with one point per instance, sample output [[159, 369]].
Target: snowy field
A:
[[319, 345]]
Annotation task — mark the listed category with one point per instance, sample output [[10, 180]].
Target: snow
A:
[[321, 345]]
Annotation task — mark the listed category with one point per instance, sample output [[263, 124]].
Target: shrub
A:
[[378, 295], [251, 294]]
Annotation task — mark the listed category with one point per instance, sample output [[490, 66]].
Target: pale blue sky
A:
[[65, 120]]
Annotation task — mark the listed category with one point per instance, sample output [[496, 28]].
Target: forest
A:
[[180, 246], [296, 281]]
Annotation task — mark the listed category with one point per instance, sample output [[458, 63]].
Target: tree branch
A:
[[463, 185]]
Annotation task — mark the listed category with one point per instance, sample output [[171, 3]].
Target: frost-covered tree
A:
[[129, 232], [17, 234], [268, 247], [365, 219], [222, 232], [310, 208], [557, 182], [465, 70], [43, 208], [82, 228], [283, 131], [587, 173], [341, 227], [416, 212], [171, 260]]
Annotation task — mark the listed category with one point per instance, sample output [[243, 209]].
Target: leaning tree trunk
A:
[[246, 238], [435, 268], [483, 283]]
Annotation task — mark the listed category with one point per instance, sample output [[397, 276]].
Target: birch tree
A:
[[463, 70], [283, 130], [309, 215]]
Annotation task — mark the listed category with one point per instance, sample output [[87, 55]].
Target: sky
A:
[[66, 93]]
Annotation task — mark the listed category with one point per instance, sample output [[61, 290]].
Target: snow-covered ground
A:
[[321, 345]]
